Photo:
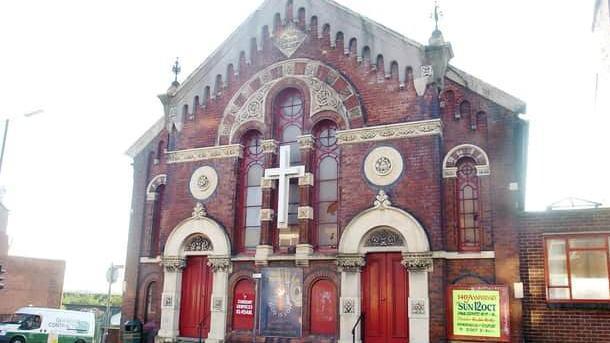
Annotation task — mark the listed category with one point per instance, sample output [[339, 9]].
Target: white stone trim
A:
[[391, 131], [150, 260], [205, 153], [172, 280], [306, 180], [454, 255], [352, 247], [305, 212], [449, 161], [155, 182]]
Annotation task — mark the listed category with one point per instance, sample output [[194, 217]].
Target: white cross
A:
[[284, 173]]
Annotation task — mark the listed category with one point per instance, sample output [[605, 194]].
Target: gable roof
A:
[[379, 39]]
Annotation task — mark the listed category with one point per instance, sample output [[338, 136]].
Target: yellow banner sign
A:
[[476, 313]]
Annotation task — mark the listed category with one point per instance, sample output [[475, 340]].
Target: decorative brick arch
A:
[[197, 235], [328, 91], [155, 182], [465, 150]]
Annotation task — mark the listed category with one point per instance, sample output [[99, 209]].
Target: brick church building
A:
[[321, 177]]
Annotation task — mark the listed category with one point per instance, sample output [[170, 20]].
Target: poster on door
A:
[[281, 302], [479, 313]]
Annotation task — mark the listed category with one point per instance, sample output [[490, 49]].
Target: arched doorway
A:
[[384, 260], [196, 262]]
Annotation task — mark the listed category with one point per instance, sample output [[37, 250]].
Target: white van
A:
[[47, 325]]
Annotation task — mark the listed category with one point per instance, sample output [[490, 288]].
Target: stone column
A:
[[418, 266], [170, 298], [221, 266], [350, 267], [305, 211], [265, 247]]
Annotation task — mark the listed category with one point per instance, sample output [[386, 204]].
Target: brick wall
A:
[[31, 281], [421, 190], [548, 323]]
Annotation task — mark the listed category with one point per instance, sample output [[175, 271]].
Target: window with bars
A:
[[251, 197], [467, 187], [577, 268], [326, 190]]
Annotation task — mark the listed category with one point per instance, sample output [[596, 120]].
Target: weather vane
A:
[[176, 69], [437, 14]]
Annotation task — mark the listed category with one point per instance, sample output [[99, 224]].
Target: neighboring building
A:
[[31, 281], [601, 31], [28, 281], [565, 269]]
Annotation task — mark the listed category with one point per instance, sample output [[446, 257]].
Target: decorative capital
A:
[[418, 262], [199, 211], [267, 214], [305, 212], [382, 200], [269, 146], [267, 183], [306, 180], [173, 263], [350, 263], [219, 264], [306, 142]]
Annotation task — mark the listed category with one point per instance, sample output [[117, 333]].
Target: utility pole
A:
[[112, 274]]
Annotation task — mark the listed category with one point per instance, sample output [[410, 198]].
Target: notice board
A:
[[478, 313], [281, 302]]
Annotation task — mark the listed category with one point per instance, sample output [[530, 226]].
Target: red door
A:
[[323, 310], [384, 297], [195, 303]]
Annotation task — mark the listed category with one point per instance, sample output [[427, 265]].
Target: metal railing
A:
[[360, 319]]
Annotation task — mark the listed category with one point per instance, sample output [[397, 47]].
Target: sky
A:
[[96, 67]]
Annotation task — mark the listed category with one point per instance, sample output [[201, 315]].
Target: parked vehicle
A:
[[46, 325]]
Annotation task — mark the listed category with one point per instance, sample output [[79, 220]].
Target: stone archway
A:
[[197, 235], [385, 228]]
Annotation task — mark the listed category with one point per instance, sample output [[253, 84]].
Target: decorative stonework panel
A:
[[324, 95], [383, 166], [173, 263], [418, 308], [203, 182], [202, 154], [305, 212], [217, 304], [219, 264], [348, 305], [289, 40], [384, 238], [418, 262], [393, 131], [350, 263], [465, 150], [199, 243]]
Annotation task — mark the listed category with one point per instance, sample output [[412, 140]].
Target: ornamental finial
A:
[[176, 69], [199, 211], [382, 200]]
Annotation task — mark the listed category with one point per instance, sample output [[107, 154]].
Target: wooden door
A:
[[195, 303], [384, 298], [323, 308], [244, 305]]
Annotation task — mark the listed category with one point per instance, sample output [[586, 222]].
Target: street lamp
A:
[[6, 121]]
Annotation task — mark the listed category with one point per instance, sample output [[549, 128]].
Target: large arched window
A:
[[251, 196], [326, 177], [157, 209], [288, 113], [149, 304], [468, 208]]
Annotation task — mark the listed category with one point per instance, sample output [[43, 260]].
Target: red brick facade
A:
[[544, 321], [421, 190]]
